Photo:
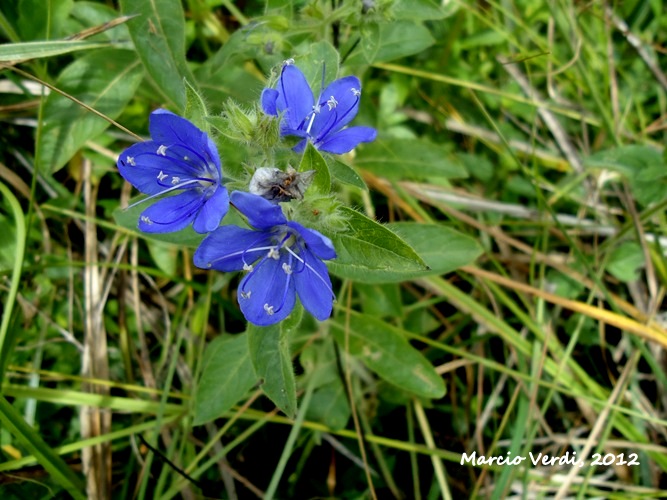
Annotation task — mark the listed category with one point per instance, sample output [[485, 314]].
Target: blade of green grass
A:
[[55, 465]]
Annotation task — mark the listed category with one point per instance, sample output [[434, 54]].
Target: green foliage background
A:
[[501, 274]]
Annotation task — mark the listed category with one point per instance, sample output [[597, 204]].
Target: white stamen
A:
[[162, 150], [355, 92], [268, 309], [332, 103], [310, 124], [287, 268], [324, 282], [288, 62], [273, 253], [146, 220], [247, 267], [317, 108], [162, 176], [246, 295], [168, 190], [130, 160], [175, 180]]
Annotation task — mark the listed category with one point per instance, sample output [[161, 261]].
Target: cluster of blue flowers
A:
[[282, 258]]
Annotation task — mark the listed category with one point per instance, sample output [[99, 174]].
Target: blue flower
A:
[[179, 158], [283, 260], [320, 122]]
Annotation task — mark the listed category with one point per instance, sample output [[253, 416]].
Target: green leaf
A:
[[380, 299], [320, 56], [312, 160], [442, 248], [43, 20], [164, 255], [34, 50], [408, 159], [371, 253], [217, 65], [385, 350], [195, 107], [421, 10], [389, 41], [227, 376], [91, 14], [625, 260], [106, 80], [643, 166], [344, 173], [270, 355], [224, 75], [629, 160], [329, 404], [158, 33]]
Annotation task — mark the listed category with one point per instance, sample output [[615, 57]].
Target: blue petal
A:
[[150, 172], [141, 174], [266, 294], [212, 212], [261, 213], [169, 129], [171, 214], [229, 248], [316, 242], [346, 140], [295, 96], [345, 92], [268, 100], [313, 286]]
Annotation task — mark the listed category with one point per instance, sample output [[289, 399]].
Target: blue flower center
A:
[[196, 169], [330, 113]]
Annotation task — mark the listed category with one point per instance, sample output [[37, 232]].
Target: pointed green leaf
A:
[[442, 248], [625, 261], [385, 350], [408, 159], [90, 15], [35, 50], [388, 41], [643, 166], [270, 355], [319, 65], [329, 401], [158, 33], [106, 80], [422, 9], [371, 253], [195, 107], [227, 376], [40, 20], [344, 173], [312, 160]]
